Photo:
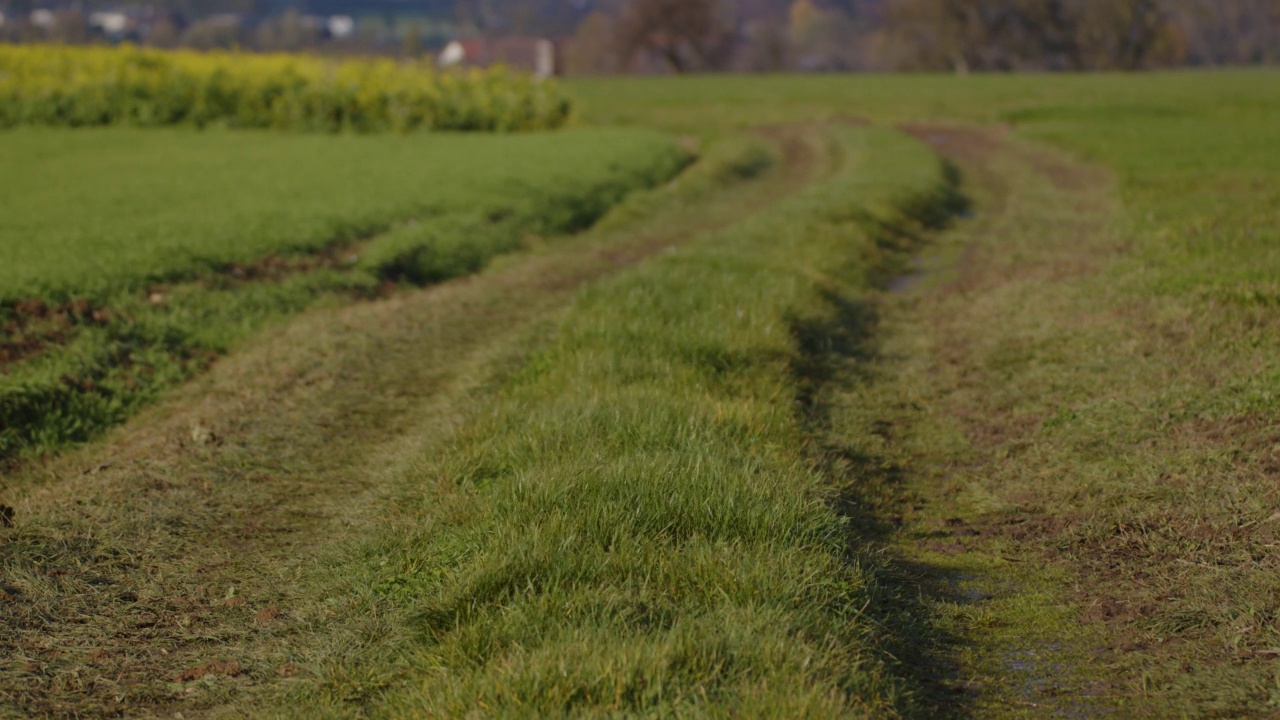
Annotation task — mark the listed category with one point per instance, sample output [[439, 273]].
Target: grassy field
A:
[[1072, 402], [634, 526], [913, 396], [170, 204], [198, 239], [746, 101]]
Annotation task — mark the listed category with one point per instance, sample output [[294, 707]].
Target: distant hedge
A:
[[85, 86]]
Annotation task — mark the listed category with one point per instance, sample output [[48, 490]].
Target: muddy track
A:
[[1003, 434], [160, 570], [1006, 641]]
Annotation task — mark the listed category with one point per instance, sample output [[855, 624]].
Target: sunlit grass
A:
[[155, 235], [633, 525]]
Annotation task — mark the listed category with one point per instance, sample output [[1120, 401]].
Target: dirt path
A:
[[163, 570], [1083, 545], [962, 396]]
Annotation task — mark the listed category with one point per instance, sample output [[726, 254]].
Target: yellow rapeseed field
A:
[[79, 86]]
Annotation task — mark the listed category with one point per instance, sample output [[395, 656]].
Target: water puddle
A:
[[1022, 675], [900, 284]]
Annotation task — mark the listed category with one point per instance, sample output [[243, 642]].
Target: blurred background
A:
[[600, 37]]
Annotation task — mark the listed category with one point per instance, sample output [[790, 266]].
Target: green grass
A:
[[1082, 425], [95, 212], [1173, 519], [696, 103], [1089, 385], [632, 525], [175, 546], [152, 251], [742, 479]]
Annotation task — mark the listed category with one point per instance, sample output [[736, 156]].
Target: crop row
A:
[[86, 86]]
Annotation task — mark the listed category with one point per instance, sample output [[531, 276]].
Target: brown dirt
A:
[[28, 327], [968, 145], [989, 425], [225, 668]]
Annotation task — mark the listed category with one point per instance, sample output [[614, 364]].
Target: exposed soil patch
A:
[[975, 147], [274, 268], [968, 145], [1255, 436], [225, 668], [997, 430], [28, 327]]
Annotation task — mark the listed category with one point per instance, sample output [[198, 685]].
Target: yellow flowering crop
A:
[[80, 86]]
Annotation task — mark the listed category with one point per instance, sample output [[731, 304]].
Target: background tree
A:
[[592, 50], [1127, 34], [1223, 32], [687, 34], [825, 38], [70, 27], [411, 43], [768, 48], [967, 35], [164, 32], [17, 22], [213, 33], [289, 32], [478, 16], [803, 19]]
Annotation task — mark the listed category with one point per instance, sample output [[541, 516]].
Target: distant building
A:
[[111, 24], [533, 55], [43, 18], [340, 26]]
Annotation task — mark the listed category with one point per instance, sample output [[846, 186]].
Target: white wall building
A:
[[43, 18], [110, 23], [341, 26], [533, 55]]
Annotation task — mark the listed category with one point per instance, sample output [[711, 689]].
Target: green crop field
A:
[[840, 396], [157, 246], [167, 205]]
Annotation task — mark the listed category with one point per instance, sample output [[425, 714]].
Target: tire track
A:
[[164, 569]]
